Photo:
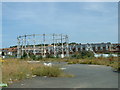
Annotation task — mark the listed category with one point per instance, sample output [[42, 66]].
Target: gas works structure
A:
[[43, 44], [58, 45]]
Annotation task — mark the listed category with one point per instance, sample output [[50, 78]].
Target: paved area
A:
[[86, 76]]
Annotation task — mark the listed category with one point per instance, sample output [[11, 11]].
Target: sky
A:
[[83, 22]]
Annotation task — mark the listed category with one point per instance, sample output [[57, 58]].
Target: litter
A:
[[48, 64], [3, 85], [22, 84], [33, 76], [10, 81], [62, 68], [45, 76]]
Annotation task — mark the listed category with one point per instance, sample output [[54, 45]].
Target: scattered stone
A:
[[33, 76], [48, 64], [33, 61], [62, 68], [10, 81], [16, 80], [27, 75], [93, 65], [22, 84], [45, 76]]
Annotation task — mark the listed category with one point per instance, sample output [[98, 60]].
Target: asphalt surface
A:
[[86, 76]]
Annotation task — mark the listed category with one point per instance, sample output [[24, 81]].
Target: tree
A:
[[3, 53]]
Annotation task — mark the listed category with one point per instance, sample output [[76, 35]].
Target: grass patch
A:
[[53, 71], [116, 66], [111, 61], [15, 70]]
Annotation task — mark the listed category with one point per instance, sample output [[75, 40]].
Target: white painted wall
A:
[[0, 52], [105, 55], [9, 53]]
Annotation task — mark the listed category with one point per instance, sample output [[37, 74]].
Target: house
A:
[[8, 51]]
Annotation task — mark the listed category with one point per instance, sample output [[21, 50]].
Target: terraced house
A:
[[96, 47], [72, 48]]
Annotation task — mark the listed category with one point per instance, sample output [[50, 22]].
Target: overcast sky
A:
[[83, 22]]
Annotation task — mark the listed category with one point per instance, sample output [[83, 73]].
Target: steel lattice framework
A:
[[43, 44]]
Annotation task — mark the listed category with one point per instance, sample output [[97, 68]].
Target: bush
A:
[[87, 54], [83, 54], [49, 56], [38, 57], [115, 66], [14, 70], [57, 56], [77, 56], [34, 57], [24, 55], [47, 71]]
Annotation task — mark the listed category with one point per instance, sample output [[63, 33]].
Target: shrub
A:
[[38, 57], [47, 71], [18, 69], [116, 66], [70, 63], [57, 56], [49, 56], [24, 54], [34, 57], [83, 55], [87, 54]]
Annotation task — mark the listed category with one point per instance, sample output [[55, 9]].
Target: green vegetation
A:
[[15, 70], [34, 57], [50, 56], [110, 61], [77, 55], [47, 71], [83, 54]]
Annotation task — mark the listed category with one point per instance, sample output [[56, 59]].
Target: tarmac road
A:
[[86, 76]]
